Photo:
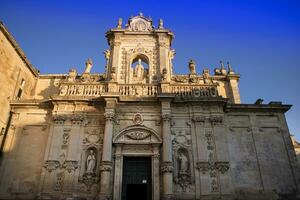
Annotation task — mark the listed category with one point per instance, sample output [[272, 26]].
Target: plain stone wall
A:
[[12, 71], [23, 154]]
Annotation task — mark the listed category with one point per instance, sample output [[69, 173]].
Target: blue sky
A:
[[260, 38]]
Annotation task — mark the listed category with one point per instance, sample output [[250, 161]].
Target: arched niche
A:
[[139, 67]]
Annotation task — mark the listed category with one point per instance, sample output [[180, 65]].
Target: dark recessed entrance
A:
[[136, 178]]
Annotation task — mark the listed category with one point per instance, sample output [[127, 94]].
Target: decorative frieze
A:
[[59, 119], [205, 166], [52, 165], [216, 120]]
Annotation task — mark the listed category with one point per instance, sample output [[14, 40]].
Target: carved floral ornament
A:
[[75, 119], [69, 165], [214, 119], [139, 23], [137, 133], [221, 166]]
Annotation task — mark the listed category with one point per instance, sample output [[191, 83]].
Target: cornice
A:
[[257, 108]]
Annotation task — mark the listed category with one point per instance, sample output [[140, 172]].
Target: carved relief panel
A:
[[183, 160], [90, 159]]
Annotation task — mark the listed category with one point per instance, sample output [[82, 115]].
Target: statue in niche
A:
[[139, 70], [183, 163], [90, 161]]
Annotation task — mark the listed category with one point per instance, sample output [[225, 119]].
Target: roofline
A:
[[18, 49]]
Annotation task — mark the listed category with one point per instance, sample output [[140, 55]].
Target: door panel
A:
[[136, 178]]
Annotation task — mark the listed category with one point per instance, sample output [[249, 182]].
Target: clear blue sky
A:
[[260, 38]]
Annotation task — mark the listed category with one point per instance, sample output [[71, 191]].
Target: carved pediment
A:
[[137, 134], [139, 23]]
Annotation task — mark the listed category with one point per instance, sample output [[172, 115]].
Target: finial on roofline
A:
[[230, 70], [140, 14], [222, 65]]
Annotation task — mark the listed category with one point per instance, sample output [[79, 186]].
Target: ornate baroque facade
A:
[[138, 127]]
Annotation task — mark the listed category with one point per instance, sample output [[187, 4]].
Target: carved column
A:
[[167, 165], [106, 162]]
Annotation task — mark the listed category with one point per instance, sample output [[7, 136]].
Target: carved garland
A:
[[69, 165]]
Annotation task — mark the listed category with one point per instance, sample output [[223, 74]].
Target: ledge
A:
[[257, 108]]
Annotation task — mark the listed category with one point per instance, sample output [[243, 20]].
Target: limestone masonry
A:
[[138, 131]]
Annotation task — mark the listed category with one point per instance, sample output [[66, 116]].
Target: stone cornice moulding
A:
[[282, 108]]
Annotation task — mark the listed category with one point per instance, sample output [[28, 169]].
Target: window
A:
[[20, 91]]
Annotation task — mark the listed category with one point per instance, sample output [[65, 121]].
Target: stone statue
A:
[[120, 23], [206, 77], [90, 162], [192, 67], [161, 24], [183, 163], [107, 55], [72, 75], [88, 66], [139, 69]]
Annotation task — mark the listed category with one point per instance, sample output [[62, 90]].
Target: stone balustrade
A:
[[82, 89], [138, 90], [96, 90], [194, 90]]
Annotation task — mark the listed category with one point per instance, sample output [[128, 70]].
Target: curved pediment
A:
[[137, 134]]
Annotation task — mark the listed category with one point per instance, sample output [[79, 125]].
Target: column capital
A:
[[166, 167], [105, 166], [166, 116], [109, 115]]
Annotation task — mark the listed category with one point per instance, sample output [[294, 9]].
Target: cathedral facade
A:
[[138, 131]]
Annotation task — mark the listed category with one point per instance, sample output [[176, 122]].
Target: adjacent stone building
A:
[[138, 131]]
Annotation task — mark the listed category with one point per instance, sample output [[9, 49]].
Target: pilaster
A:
[[106, 162], [167, 164]]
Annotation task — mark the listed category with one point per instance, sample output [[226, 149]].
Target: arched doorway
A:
[[136, 147]]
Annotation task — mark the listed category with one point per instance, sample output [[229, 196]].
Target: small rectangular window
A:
[[22, 83], [19, 93]]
